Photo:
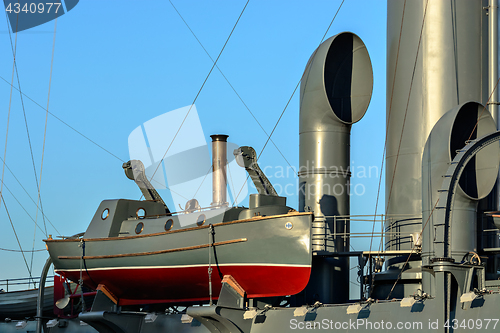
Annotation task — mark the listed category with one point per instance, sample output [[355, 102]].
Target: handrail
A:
[[26, 281]]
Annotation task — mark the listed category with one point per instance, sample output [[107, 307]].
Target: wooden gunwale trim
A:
[[253, 219], [154, 252]]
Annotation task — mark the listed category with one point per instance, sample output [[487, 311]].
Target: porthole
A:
[[140, 213], [105, 214], [169, 224], [201, 220], [139, 227]]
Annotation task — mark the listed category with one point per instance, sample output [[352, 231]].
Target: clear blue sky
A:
[[118, 64]]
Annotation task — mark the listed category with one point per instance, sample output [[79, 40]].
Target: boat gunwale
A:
[[253, 219]]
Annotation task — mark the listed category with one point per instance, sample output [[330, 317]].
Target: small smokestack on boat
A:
[[335, 92], [219, 162]]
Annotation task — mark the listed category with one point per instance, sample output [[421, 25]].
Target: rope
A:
[[210, 230], [39, 199], [62, 121], [386, 135], [17, 200], [29, 196], [17, 239], [230, 85], [201, 88], [80, 281], [26, 125], [8, 116], [484, 108], [286, 106], [407, 104], [211, 241], [215, 254]]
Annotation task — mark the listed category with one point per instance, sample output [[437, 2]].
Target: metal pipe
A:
[[335, 92], [460, 124], [41, 293], [425, 79], [219, 162], [493, 75], [493, 59]]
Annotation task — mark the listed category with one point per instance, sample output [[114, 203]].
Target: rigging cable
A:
[[386, 136], [36, 225], [25, 123], [17, 239], [407, 104], [39, 200], [8, 118], [201, 88], [404, 118], [29, 196], [230, 85], [430, 215], [208, 172], [286, 106], [4, 155], [63, 122], [484, 108]]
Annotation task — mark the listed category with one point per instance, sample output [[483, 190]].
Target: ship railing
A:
[[354, 229], [188, 211], [490, 241], [19, 283]]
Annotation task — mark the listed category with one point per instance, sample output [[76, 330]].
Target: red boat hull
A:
[[190, 283]]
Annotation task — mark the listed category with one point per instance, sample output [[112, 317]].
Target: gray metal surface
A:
[[439, 70], [450, 236], [493, 59], [135, 171], [41, 295], [431, 74], [247, 158], [219, 163], [21, 304], [179, 259], [465, 122], [335, 91]]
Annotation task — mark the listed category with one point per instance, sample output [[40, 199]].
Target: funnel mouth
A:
[[478, 178], [348, 77]]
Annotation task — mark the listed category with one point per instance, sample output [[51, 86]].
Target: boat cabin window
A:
[[105, 214], [201, 220], [139, 227], [140, 213], [169, 224]]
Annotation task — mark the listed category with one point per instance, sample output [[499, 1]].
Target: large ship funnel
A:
[[335, 92], [461, 124], [434, 63]]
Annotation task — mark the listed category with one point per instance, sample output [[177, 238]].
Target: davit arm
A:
[[134, 170], [247, 158]]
